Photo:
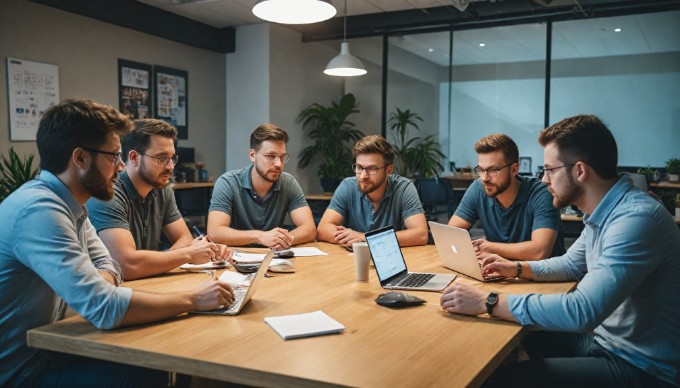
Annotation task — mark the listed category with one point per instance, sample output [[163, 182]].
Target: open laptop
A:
[[456, 251], [242, 295], [391, 267]]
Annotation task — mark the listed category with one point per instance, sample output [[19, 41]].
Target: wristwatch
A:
[[491, 302]]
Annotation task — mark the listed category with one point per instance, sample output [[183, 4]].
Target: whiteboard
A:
[[32, 87]]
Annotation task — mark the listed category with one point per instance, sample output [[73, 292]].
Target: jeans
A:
[[559, 359], [51, 369]]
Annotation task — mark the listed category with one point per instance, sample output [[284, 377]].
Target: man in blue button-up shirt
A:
[[619, 326], [50, 254]]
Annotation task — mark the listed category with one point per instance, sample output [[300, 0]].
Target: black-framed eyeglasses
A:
[[116, 155], [273, 157], [163, 160], [549, 171], [493, 171], [370, 170]]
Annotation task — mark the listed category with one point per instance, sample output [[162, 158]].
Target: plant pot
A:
[[330, 184], [673, 177]]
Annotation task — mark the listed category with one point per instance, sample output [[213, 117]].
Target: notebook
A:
[[456, 251], [243, 294], [391, 267]]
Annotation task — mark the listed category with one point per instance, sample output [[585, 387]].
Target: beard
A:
[[148, 177], [367, 187], [269, 176], [571, 193], [98, 186], [495, 189]]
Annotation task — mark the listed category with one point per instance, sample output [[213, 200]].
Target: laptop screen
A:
[[385, 251]]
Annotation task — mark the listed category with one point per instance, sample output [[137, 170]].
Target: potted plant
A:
[[414, 155], [14, 172], [333, 136], [673, 169]]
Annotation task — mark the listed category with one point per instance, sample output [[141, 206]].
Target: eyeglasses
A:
[[493, 171], [273, 157], [163, 160], [116, 155], [370, 170], [549, 171]]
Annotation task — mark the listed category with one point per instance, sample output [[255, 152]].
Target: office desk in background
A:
[[381, 347]]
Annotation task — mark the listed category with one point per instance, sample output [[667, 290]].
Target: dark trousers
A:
[[569, 360], [51, 369]]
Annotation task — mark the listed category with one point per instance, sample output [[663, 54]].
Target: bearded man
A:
[[374, 198], [516, 212], [249, 206], [144, 207]]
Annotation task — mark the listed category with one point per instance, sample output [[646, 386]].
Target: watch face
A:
[[492, 299]]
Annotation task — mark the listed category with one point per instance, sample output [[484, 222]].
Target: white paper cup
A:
[[362, 258]]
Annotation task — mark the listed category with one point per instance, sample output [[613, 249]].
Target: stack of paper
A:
[[304, 325]]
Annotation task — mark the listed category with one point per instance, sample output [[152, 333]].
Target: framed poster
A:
[[32, 87], [172, 103], [525, 165], [134, 89]]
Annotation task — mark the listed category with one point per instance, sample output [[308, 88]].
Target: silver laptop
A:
[[456, 251], [242, 295], [391, 267]]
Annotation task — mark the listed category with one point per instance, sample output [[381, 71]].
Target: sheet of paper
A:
[[304, 325], [236, 279], [308, 251], [247, 257]]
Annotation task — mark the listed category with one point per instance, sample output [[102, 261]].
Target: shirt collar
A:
[[609, 201], [125, 180], [63, 192]]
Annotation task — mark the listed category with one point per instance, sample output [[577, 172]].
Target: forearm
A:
[[526, 250], [143, 263], [326, 232], [411, 237], [147, 307], [234, 237], [303, 234]]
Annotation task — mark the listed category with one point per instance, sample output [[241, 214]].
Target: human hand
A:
[[202, 250], [211, 295], [463, 299], [224, 253], [277, 238], [347, 237], [495, 265], [482, 248]]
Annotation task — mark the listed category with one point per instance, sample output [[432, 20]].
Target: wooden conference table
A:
[[381, 347]]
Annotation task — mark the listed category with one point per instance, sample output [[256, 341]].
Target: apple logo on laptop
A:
[[453, 248]]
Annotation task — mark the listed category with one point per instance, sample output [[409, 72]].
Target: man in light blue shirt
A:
[[50, 254], [374, 198], [619, 326]]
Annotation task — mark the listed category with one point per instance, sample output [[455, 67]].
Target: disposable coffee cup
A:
[[362, 258]]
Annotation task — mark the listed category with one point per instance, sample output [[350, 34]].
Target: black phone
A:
[[284, 254], [246, 268]]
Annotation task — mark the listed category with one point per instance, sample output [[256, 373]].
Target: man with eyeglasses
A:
[[516, 212], [249, 206], [619, 327], [50, 256], [144, 207], [374, 198]]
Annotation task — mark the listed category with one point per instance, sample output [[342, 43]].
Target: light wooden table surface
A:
[[381, 347]]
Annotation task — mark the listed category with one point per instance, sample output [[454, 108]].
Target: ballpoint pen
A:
[[199, 234]]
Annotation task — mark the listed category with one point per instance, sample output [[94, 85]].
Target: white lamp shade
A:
[[294, 11], [345, 64]]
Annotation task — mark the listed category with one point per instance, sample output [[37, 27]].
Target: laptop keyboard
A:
[[413, 280], [239, 295]]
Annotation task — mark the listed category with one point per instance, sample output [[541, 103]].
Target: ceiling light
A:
[[294, 11], [617, 30], [345, 64], [430, 50], [482, 44]]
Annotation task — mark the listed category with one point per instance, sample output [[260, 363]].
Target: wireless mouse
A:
[[246, 268], [398, 299]]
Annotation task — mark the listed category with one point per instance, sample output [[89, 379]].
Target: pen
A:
[[199, 234]]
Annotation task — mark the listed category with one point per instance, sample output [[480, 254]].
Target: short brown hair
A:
[[266, 132], [584, 138], [498, 142], [374, 144], [76, 123], [140, 137]]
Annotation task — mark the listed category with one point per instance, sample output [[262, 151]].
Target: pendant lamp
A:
[[345, 64], [294, 11]]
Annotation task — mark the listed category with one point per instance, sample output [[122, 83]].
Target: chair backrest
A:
[[433, 191]]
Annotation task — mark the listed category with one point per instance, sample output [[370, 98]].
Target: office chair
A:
[[436, 196], [194, 203]]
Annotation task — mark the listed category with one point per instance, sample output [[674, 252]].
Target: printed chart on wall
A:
[[134, 89], [172, 104], [32, 87]]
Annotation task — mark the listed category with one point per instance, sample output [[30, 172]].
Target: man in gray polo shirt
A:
[[374, 198], [144, 207], [249, 206], [516, 212]]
